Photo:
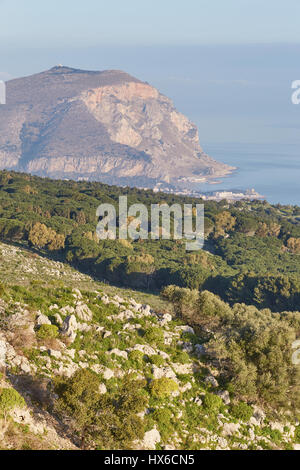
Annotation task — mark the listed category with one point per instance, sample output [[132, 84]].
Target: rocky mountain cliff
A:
[[105, 126]]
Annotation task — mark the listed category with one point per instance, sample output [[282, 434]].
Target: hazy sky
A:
[[227, 64], [94, 22]]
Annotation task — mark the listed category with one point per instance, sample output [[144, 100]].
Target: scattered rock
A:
[[2, 352], [54, 353], [144, 348], [102, 389], [69, 328], [83, 312], [58, 319], [198, 401], [259, 414], [77, 293], [67, 310], [183, 368], [42, 319], [230, 429], [185, 329], [119, 353], [212, 381], [23, 416], [151, 438], [224, 394], [159, 372]]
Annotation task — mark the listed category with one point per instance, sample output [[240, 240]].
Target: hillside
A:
[[104, 126], [251, 250], [149, 373]]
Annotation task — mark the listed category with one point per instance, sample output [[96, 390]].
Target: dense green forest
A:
[[251, 251]]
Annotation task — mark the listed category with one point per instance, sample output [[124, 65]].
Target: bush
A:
[[154, 335], [47, 332], [163, 418], [181, 357], [163, 387], [157, 360], [242, 411], [106, 421], [136, 359], [78, 399], [212, 402], [10, 399]]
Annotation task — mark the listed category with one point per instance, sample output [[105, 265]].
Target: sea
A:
[[273, 170]]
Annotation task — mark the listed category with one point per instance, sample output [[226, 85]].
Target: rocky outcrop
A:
[[105, 126]]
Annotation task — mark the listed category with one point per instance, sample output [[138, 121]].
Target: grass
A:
[[19, 266]]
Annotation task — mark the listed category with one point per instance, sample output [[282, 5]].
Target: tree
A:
[[80, 218], [40, 236], [79, 399], [106, 421], [293, 245], [57, 242]]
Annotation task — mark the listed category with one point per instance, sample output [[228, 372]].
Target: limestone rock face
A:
[[105, 126]]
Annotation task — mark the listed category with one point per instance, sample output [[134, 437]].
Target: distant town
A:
[[230, 196]]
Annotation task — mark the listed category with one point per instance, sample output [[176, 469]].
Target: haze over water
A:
[[273, 170]]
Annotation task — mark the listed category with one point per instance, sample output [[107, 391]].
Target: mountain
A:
[[105, 126]]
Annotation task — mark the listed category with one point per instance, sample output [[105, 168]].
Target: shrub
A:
[[157, 360], [78, 397], [136, 358], [163, 387], [212, 402], [154, 335], [132, 397], [10, 399], [163, 418], [181, 357], [242, 411], [106, 421], [47, 332]]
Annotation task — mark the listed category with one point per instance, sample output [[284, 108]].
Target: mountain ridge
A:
[[99, 125]]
